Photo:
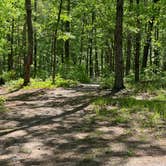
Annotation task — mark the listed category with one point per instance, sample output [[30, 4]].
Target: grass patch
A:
[[40, 84], [151, 83], [8, 76], [14, 84], [2, 101], [123, 110], [130, 153], [160, 95], [66, 83], [107, 82]]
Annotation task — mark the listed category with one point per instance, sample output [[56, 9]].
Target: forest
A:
[[83, 82]]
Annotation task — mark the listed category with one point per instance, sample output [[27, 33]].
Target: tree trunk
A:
[[118, 84], [82, 40], [156, 49], [129, 45], [19, 62], [102, 61], [35, 39], [91, 48], [137, 46], [109, 56], [148, 40], [147, 44], [24, 46], [67, 42], [156, 37], [96, 56], [55, 43], [164, 62], [128, 56], [87, 58], [10, 55], [28, 60]]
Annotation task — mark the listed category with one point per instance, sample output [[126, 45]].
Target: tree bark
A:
[[102, 61], [10, 55], [119, 84], [129, 45], [91, 47], [96, 56], [147, 44], [35, 40], [128, 56], [67, 42], [28, 60], [55, 43], [148, 40], [82, 40], [137, 46], [156, 49]]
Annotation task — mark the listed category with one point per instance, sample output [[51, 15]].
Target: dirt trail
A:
[[52, 127]]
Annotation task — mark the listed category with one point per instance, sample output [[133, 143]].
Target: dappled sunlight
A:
[[82, 83], [59, 126]]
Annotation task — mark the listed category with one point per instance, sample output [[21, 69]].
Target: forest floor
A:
[[56, 128]]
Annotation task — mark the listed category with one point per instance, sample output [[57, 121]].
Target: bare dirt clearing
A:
[[52, 127]]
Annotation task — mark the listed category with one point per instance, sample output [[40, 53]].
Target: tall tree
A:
[[35, 39], [54, 44], [67, 27], [147, 43], [119, 83], [11, 54], [156, 38], [137, 45], [129, 45], [149, 37], [28, 60], [96, 55], [91, 46]]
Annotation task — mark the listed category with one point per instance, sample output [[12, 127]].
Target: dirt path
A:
[[53, 127]]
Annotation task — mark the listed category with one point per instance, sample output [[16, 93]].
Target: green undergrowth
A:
[[123, 110], [160, 95], [147, 86], [8, 76], [2, 101], [40, 84], [74, 72], [150, 81], [107, 82]]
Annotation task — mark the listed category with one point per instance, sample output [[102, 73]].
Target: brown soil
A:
[[51, 127]]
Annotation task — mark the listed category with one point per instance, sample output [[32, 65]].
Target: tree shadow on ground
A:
[[65, 135]]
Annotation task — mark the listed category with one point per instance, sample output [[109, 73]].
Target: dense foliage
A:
[[76, 39]]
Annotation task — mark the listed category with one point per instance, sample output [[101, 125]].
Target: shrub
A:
[[2, 100], [40, 84], [42, 74], [119, 110], [2, 81], [66, 83], [8, 76], [151, 73], [107, 82], [76, 73], [14, 84]]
